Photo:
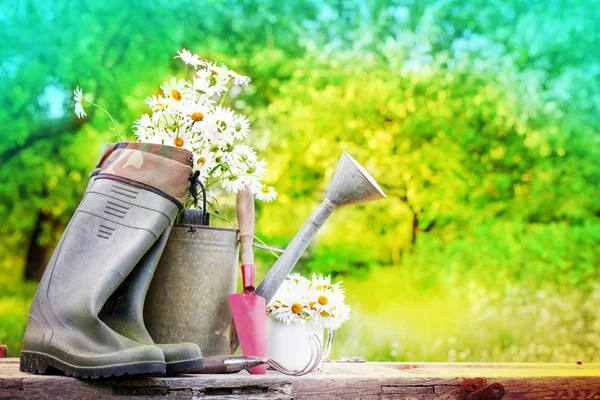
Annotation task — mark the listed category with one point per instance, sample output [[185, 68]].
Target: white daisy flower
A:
[[205, 83], [156, 103], [78, 98], [224, 119], [141, 133], [179, 138], [201, 82], [220, 74], [145, 130], [254, 182], [297, 280], [150, 136], [326, 300], [258, 169], [292, 300], [241, 127], [235, 166], [204, 161], [324, 283], [174, 90], [337, 318], [144, 122], [223, 74], [287, 313], [201, 139], [238, 79], [289, 305], [188, 58], [233, 184], [222, 140], [194, 113], [266, 193], [209, 132], [218, 128], [245, 153]]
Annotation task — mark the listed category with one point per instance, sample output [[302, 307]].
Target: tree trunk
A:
[[415, 229], [37, 255]]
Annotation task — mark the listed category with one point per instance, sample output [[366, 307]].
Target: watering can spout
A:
[[351, 184]]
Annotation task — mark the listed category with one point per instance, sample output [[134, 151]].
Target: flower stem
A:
[[226, 92], [118, 130]]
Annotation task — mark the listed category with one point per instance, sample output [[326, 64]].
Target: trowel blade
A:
[[250, 318]]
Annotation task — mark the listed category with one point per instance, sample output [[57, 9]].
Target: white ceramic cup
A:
[[288, 344]]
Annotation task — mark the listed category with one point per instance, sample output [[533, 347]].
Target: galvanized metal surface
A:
[[351, 184], [187, 300]]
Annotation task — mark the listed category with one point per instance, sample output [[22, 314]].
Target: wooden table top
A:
[[338, 380]]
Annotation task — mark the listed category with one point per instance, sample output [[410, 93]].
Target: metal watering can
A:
[[187, 300]]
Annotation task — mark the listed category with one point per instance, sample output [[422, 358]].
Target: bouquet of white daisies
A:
[[301, 299], [190, 114]]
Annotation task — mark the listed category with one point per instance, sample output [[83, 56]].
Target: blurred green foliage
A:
[[479, 119]]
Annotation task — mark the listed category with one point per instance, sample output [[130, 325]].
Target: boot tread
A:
[[40, 363]]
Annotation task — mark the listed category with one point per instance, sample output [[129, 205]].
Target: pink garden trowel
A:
[[249, 309]]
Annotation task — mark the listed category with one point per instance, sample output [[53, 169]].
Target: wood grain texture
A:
[[366, 381]]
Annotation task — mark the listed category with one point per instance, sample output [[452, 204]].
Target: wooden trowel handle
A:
[[245, 214]]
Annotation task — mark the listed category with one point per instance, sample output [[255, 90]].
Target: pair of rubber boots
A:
[[86, 318]]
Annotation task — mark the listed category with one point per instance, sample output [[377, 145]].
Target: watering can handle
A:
[[245, 214]]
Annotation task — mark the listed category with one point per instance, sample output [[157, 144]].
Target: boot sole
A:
[[40, 363], [181, 367]]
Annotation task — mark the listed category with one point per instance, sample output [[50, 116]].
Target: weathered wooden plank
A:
[[153, 388], [460, 365], [317, 387], [390, 387], [397, 389], [467, 370], [367, 381], [574, 387]]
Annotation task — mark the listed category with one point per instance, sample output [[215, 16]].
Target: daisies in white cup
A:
[[190, 114], [301, 300]]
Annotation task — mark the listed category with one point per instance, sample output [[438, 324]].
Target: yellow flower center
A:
[[323, 300], [197, 116], [159, 106], [265, 189], [178, 142], [175, 94], [324, 313], [201, 161], [296, 308], [312, 305]]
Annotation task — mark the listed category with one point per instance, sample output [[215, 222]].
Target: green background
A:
[[479, 120]]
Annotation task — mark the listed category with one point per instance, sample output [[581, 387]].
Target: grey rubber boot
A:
[[119, 219], [124, 312]]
